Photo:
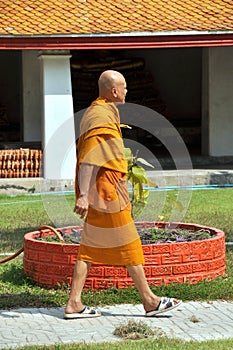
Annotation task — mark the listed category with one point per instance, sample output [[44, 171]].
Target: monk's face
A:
[[120, 91]]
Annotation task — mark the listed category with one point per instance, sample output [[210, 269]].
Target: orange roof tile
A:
[[80, 17]]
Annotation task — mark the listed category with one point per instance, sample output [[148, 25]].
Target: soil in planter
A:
[[148, 235], [154, 235]]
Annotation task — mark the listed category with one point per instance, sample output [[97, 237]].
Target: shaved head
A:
[[109, 82], [109, 79]]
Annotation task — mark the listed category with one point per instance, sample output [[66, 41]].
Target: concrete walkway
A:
[[190, 321]]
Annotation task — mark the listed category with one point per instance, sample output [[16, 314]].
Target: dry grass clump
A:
[[135, 330]]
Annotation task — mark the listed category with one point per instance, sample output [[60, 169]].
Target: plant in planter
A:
[[137, 177]]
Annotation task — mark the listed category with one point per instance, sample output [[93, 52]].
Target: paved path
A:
[[190, 321]]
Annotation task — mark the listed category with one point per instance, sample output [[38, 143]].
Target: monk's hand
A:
[[81, 206]]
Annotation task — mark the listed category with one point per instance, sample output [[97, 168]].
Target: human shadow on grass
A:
[[14, 275], [28, 300], [12, 239]]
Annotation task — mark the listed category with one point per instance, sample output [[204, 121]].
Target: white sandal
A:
[[165, 304], [85, 313]]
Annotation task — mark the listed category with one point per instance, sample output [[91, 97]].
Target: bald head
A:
[[111, 85]]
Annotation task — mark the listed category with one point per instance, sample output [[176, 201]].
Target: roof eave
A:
[[122, 34], [118, 40]]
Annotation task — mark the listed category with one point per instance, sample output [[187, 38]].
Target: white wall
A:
[[58, 135], [218, 101]]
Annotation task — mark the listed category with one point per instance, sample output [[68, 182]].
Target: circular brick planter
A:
[[51, 264]]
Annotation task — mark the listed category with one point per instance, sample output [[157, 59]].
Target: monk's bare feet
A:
[[76, 310], [73, 307], [152, 303]]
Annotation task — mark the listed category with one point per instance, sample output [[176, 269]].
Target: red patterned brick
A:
[[173, 279], [96, 271], [161, 270], [160, 248], [125, 283], [153, 260], [201, 247], [192, 279], [181, 248], [89, 284], [60, 258], [42, 246], [216, 264], [182, 268], [32, 255], [198, 267], [147, 249], [190, 258], [155, 281], [166, 259], [209, 255], [219, 252], [115, 271], [31, 244], [104, 283], [147, 270], [214, 274], [48, 269], [67, 270], [57, 247], [70, 248], [44, 256], [28, 266]]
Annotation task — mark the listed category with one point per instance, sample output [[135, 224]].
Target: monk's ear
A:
[[114, 92]]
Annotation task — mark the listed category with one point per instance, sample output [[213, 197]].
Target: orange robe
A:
[[109, 235]]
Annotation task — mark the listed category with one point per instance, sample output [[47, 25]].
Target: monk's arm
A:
[[84, 178]]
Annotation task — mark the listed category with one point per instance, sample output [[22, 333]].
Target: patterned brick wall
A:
[[51, 264]]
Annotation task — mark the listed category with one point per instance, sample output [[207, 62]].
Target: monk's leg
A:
[[81, 271], [149, 299]]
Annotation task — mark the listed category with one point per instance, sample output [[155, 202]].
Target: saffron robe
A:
[[109, 234]]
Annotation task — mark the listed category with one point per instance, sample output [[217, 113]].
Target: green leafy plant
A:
[[138, 178]]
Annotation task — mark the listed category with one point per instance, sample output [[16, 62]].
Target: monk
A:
[[109, 234]]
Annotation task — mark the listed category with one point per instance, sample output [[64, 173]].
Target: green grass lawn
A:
[[147, 344]]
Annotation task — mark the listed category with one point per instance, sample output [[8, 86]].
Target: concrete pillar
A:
[[217, 101], [58, 136], [31, 96]]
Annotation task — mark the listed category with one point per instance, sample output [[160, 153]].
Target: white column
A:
[[58, 134], [31, 96], [217, 99]]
